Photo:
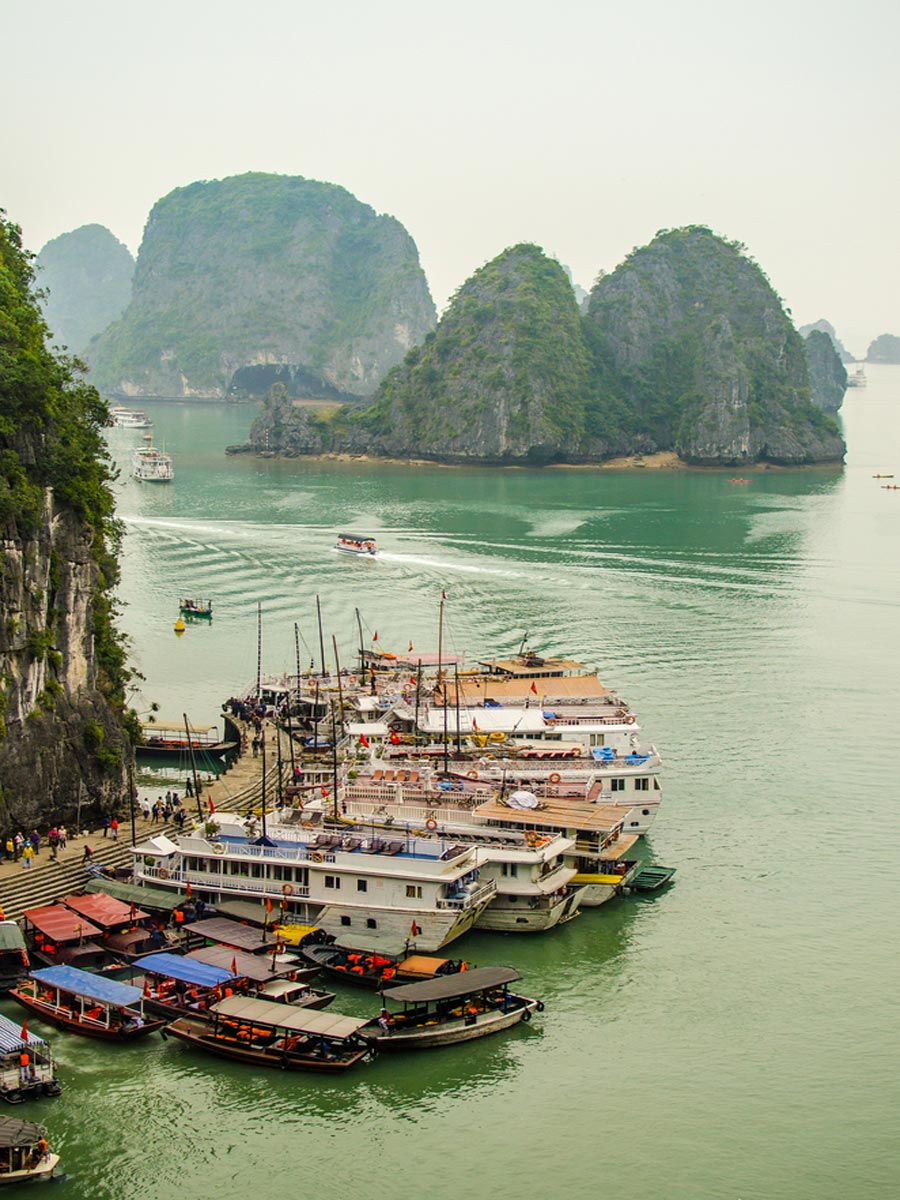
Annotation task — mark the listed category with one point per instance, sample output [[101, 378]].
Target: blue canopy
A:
[[92, 987], [11, 1036], [186, 970]]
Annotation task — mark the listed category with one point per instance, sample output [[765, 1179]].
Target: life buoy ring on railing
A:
[[629, 720], [553, 776], [315, 856], [532, 837], [431, 824], [307, 825], [471, 774], [287, 889], [162, 873], [218, 848]]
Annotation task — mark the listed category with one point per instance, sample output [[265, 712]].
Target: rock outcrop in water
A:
[[885, 349], [693, 351], [86, 275], [827, 374], [260, 279], [62, 664]]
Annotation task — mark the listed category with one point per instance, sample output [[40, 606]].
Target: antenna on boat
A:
[[264, 778], [523, 644], [440, 677], [321, 635], [456, 687]]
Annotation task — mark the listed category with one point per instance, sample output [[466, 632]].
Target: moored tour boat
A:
[[265, 1033], [27, 1069], [356, 543], [13, 955], [129, 418], [83, 1003], [453, 1008], [376, 971], [149, 465], [24, 1153]]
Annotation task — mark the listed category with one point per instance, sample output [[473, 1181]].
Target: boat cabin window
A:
[[345, 921], [413, 892], [598, 739], [362, 885], [510, 870], [617, 785], [642, 785], [645, 812], [656, 787], [332, 881], [371, 923]]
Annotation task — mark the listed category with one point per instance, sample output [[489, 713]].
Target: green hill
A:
[[86, 275]]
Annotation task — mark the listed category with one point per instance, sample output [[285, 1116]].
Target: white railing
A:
[[471, 898]]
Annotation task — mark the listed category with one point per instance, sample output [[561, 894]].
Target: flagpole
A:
[[321, 635], [187, 730], [456, 685]]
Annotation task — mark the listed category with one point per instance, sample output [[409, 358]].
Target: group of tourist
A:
[[19, 847]]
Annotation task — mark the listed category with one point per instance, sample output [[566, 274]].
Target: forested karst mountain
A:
[[86, 275], [684, 347], [62, 663], [885, 349], [272, 277], [827, 374], [692, 351], [826, 327]]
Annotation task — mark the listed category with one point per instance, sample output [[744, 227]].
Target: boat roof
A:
[[232, 933], [11, 1036], [421, 964], [557, 813], [448, 987], [257, 967], [357, 537], [59, 923], [92, 987], [242, 910], [507, 690], [185, 970], [149, 897], [512, 722], [103, 910], [285, 1016], [19, 1133], [11, 936], [161, 726]]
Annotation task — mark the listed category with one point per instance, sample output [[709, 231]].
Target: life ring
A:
[[162, 873], [471, 774], [553, 776], [218, 848], [629, 720], [315, 856], [431, 824], [307, 825], [497, 736], [287, 889]]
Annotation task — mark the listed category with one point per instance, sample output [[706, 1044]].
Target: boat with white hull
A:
[[149, 465]]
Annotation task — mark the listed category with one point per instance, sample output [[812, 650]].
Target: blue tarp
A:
[[92, 987], [602, 754], [187, 970], [11, 1036], [636, 759]]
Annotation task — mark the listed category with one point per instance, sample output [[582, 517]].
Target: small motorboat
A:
[[356, 543], [24, 1153], [27, 1069], [740, 480], [84, 1003], [883, 476], [196, 609], [376, 971], [450, 1009]]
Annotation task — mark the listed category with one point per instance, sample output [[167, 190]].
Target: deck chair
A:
[[374, 846], [392, 848]]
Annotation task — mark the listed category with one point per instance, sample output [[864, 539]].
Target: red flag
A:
[[533, 688], [409, 651], [414, 929], [394, 739], [234, 969], [146, 988], [133, 911], [212, 807], [24, 1032], [187, 891], [412, 681], [443, 595], [324, 791], [375, 636], [363, 740], [268, 905], [474, 723]]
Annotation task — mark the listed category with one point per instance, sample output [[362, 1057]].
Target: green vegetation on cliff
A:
[[265, 270], [827, 374], [85, 278]]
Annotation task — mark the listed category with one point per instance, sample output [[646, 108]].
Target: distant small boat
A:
[[356, 543], [858, 378], [130, 418], [740, 480], [150, 465], [196, 608], [881, 476]]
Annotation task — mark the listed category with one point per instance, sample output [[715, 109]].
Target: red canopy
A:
[[105, 910], [60, 924]]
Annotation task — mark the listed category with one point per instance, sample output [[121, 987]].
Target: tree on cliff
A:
[[62, 686]]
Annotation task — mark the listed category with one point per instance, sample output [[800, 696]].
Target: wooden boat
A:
[[14, 962], [648, 879], [58, 936], [375, 971], [359, 544], [883, 476], [195, 609], [171, 741], [24, 1153], [264, 1033], [451, 1009], [87, 1004], [27, 1069]]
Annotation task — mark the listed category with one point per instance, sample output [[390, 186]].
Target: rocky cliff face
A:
[[262, 278], [63, 748], [87, 277], [693, 351], [827, 374]]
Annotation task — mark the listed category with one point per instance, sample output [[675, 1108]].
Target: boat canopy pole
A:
[[258, 650], [334, 760], [337, 667], [456, 685], [264, 779], [187, 730], [321, 635], [362, 652], [418, 696]]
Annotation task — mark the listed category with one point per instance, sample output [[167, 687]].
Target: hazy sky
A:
[[584, 127]]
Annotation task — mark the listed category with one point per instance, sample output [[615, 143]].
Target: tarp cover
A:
[[187, 970], [242, 910], [11, 1036], [59, 923], [103, 910], [92, 987], [231, 933], [19, 1133], [449, 987], [11, 936], [148, 897], [286, 1016]]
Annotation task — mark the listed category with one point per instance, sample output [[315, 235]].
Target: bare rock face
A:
[[692, 351], [827, 373], [246, 281]]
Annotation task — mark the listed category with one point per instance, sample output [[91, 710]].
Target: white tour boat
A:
[[356, 543], [129, 418], [150, 465]]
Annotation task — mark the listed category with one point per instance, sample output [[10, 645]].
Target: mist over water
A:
[[734, 1036]]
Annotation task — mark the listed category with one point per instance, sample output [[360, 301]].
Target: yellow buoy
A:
[[179, 626]]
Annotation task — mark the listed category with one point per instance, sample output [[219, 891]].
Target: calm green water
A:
[[735, 1037]]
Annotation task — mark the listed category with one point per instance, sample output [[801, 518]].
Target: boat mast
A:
[[418, 695], [264, 778], [337, 667], [321, 635], [258, 650], [316, 721], [362, 655], [187, 730], [334, 761], [440, 676], [456, 685]]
